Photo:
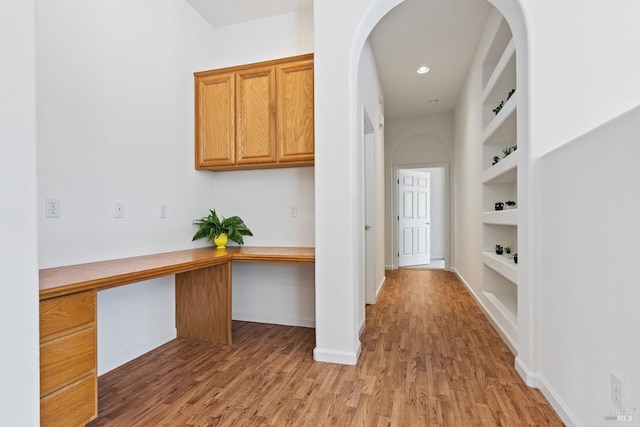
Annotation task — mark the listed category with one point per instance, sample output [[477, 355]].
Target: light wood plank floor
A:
[[429, 358]]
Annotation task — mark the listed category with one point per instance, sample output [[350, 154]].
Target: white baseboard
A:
[[131, 353], [390, 267], [275, 320], [563, 411], [382, 282], [338, 357], [527, 376]]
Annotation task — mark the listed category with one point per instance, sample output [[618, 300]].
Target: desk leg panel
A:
[[203, 304]]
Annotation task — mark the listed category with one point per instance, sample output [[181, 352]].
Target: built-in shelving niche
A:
[[500, 180]]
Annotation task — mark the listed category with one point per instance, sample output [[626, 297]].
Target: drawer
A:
[[59, 315], [67, 359], [73, 405]]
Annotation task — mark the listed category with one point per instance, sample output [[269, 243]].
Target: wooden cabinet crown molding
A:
[[256, 115]]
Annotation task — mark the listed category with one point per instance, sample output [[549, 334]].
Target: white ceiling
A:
[[227, 12], [440, 33]]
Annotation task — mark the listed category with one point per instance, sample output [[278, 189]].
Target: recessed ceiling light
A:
[[423, 69], [433, 101]]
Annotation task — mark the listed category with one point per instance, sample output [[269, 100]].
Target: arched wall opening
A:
[[338, 171]]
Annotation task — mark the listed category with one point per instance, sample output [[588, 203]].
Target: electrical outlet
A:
[[163, 211], [293, 212], [617, 391], [52, 208], [118, 209]]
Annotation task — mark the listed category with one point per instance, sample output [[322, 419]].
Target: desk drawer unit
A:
[[68, 377]]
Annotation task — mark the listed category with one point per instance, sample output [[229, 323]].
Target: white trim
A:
[[339, 357], [137, 350], [539, 382], [382, 282], [275, 320], [529, 378]]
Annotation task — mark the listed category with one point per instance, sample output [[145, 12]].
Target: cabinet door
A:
[[215, 120], [68, 369], [255, 116], [295, 112]]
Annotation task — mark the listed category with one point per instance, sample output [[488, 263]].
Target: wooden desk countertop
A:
[[59, 281]]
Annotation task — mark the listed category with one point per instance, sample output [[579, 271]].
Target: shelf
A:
[[502, 128], [503, 266], [505, 171], [499, 33], [504, 217], [503, 308], [503, 78]]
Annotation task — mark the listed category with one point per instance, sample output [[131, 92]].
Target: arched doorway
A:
[[339, 44]]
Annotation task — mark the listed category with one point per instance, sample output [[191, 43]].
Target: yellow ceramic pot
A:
[[220, 241]]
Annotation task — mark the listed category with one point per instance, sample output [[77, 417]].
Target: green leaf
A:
[[199, 235], [212, 226]]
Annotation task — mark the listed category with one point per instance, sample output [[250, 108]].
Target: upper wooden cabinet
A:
[[215, 120], [255, 116]]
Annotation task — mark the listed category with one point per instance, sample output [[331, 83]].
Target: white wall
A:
[[412, 142], [340, 34], [581, 72], [115, 122], [282, 294], [589, 243], [19, 392]]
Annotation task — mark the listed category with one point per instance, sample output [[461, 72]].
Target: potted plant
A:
[[507, 251], [506, 151], [515, 257], [499, 250], [220, 230], [498, 108]]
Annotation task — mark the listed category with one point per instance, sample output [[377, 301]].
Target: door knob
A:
[[367, 227]]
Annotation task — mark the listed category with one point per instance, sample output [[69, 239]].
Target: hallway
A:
[[429, 358]]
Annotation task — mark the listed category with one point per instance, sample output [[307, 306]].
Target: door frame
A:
[[368, 206], [448, 209]]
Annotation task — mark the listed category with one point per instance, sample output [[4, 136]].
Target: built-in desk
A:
[[68, 349]]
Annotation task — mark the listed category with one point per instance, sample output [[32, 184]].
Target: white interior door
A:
[[414, 217]]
